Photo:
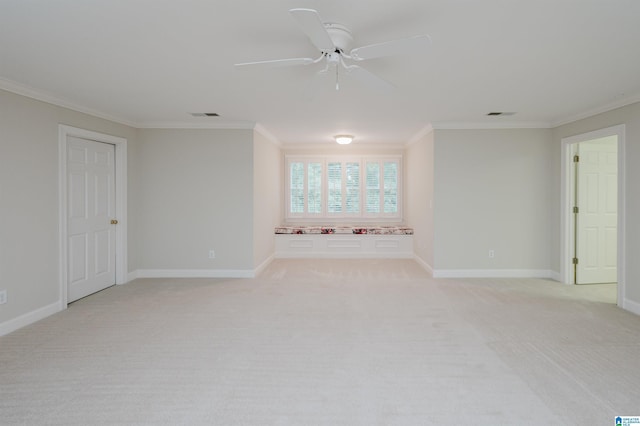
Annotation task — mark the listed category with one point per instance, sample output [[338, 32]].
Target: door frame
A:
[[120, 145], [566, 204]]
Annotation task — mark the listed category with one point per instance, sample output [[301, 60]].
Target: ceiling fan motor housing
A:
[[340, 35]]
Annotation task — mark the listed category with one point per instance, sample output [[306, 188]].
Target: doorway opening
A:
[[592, 219]]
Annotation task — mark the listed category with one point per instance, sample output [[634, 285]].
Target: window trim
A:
[[342, 218]]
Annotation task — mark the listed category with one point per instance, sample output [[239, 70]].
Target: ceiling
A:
[[151, 63]]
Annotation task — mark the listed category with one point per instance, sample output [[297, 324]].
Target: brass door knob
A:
[[114, 221]]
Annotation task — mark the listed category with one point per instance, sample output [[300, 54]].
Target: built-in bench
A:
[[344, 242]]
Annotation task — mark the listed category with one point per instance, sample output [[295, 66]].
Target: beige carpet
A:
[[348, 342]]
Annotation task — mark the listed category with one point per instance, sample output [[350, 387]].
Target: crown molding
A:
[[232, 125], [43, 96], [421, 133], [599, 110], [455, 125], [354, 146], [267, 135], [39, 95]]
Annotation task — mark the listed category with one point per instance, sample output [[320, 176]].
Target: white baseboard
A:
[[263, 265], [29, 318], [424, 264], [324, 255], [631, 306], [492, 273], [194, 273], [556, 276], [132, 276]]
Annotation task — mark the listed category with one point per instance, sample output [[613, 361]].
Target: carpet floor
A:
[[328, 342]]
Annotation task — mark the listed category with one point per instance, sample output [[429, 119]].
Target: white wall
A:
[[418, 189], [29, 201], [196, 194], [630, 117], [267, 197], [493, 192]]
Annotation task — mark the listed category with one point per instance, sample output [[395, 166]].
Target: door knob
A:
[[114, 221]]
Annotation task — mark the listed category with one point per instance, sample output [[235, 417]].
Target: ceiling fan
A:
[[334, 41]]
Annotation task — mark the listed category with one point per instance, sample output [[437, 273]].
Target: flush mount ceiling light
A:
[[344, 139]]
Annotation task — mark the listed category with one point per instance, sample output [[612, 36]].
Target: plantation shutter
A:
[[296, 187], [320, 188], [314, 188], [334, 179], [352, 188], [390, 187], [373, 187]]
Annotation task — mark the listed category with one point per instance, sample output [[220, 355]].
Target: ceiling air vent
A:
[[205, 114], [496, 113]]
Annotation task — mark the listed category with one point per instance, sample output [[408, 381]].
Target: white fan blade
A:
[[277, 63], [312, 26], [405, 46], [370, 79]]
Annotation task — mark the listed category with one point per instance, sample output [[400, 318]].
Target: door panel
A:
[[597, 190], [91, 206]]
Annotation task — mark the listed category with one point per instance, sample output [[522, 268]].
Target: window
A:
[[330, 188]]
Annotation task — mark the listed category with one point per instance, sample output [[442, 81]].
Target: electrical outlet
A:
[[492, 254], [212, 254], [3, 297]]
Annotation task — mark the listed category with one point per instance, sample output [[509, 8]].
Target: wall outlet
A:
[[492, 254], [3, 297], [212, 254]]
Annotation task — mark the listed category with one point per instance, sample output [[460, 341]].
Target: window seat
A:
[[343, 241], [358, 230]]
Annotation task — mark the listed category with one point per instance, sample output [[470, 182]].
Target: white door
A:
[[597, 202], [90, 211]]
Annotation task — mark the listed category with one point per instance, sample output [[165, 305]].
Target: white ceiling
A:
[[151, 63]]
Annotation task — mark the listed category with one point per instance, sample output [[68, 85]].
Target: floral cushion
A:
[[376, 230]]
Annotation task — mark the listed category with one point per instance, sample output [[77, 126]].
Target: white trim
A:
[[349, 149], [266, 134], [350, 255], [195, 273], [343, 246], [233, 125], [40, 95], [556, 276], [566, 233], [492, 273], [631, 306], [421, 133], [453, 125], [257, 271], [599, 110], [424, 264], [28, 318], [120, 144], [132, 276]]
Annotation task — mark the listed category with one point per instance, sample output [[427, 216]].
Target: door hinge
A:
[[575, 260], [576, 158], [576, 210]]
